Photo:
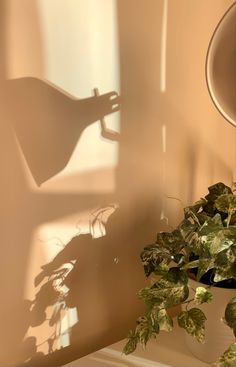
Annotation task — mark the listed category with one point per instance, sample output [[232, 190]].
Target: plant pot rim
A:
[[212, 287]]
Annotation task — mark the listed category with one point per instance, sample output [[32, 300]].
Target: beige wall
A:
[[57, 168]]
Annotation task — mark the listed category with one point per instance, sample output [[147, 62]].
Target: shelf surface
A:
[[168, 350]]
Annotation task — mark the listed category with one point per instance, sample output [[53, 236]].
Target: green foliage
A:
[[170, 290], [131, 342], [230, 314], [226, 203], [193, 321], [228, 359], [154, 258], [164, 321], [204, 243], [202, 295]]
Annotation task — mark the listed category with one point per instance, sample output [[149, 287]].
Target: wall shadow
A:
[[24, 210], [41, 128], [102, 286], [48, 123]]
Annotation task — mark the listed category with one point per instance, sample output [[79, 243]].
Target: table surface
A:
[[168, 350]]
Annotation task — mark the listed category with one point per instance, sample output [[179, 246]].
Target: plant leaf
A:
[[230, 313], [196, 206], [226, 203], [202, 295], [216, 241], [164, 320], [170, 290], [214, 192], [131, 344], [176, 276], [191, 265], [164, 296], [228, 359], [152, 257], [187, 229], [217, 190], [193, 321], [145, 329], [225, 264], [171, 241], [205, 264]]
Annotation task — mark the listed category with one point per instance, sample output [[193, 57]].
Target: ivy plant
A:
[[203, 245]]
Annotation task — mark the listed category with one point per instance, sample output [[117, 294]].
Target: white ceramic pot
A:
[[218, 335]]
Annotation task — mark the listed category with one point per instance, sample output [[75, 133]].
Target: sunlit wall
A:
[[86, 174]]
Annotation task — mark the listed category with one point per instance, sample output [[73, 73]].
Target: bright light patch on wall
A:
[[68, 321], [80, 40], [76, 49], [91, 166], [163, 135], [163, 216], [163, 47]]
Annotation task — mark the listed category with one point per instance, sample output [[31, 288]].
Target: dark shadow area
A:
[[102, 261], [48, 123]]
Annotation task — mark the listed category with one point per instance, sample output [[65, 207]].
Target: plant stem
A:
[[229, 217], [187, 302]]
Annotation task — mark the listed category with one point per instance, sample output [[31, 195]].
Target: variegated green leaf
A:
[[170, 290], [171, 241], [176, 276], [222, 274], [153, 256], [202, 295], [226, 203], [193, 321], [187, 229], [230, 313], [166, 295], [210, 225], [214, 192], [233, 186], [215, 242], [145, 330], [131, 344], [205, 264], [225, 265], [197, 205], [191, 265], [217, 190], [164, 320], [228, 359]]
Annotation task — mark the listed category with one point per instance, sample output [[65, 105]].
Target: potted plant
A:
[[194, 266]]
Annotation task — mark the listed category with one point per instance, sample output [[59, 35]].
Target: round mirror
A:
[[221, 66]]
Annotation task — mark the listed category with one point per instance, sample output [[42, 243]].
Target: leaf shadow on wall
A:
[[48, 124], [101, 280], [95, 288]]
